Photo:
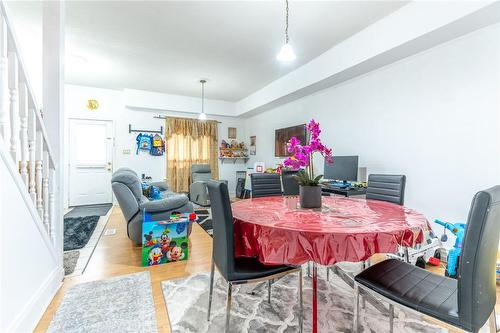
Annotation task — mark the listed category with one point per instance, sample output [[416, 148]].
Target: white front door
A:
[[90, 162]]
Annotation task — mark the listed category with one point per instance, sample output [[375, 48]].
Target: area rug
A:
[[89, 210], [187, 301], [120, 304], [69, 261], [78, 230], [205, 219]]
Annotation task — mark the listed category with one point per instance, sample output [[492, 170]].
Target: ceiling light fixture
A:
[[286, 54], [202, 115]]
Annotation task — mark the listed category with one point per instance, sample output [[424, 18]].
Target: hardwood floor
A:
[[117, 255]]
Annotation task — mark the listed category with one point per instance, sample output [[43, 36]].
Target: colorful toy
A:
[[165, 241], [426, 252], [453, 259]]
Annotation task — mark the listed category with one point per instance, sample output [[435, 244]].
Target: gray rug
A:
[[90, 210], [70, 260], [120, 304], [78, 230], [187, 301], [205, 219]]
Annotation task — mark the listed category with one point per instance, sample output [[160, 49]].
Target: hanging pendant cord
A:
[[286, 22], [202, 96]]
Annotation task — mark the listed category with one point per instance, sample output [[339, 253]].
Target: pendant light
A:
[[286, 54], [203, 115]]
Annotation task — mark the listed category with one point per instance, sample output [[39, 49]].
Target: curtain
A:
[[189, 141]]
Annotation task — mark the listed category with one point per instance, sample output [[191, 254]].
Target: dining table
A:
[[278, 232]]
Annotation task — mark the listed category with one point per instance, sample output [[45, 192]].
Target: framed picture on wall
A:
[[253, 146], [231, 132]]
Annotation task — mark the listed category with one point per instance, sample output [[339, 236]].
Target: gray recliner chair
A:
[[198, 191], [127, 189], [161, 185]]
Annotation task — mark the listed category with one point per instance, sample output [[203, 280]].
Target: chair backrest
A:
[[476, 275], [128, 192], [290, 184], [127, 170], [222, 221], [200, 173], [265, 184], [390, 188]]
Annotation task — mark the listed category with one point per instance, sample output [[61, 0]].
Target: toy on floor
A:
[[165, 241], [426, 252], [458, 229]]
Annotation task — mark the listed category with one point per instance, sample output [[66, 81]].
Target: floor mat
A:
[[77, 231], [205, 220], [120, 304], [90, 210], [69, 261], [187, 302]]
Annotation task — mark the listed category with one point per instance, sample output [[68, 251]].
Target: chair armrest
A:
[[166, 204]]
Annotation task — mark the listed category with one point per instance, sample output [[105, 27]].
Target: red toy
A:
[[434, 261]]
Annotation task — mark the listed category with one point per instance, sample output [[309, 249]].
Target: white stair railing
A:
[[22, 127]]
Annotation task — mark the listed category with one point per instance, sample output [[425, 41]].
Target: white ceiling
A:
[[168, 46]]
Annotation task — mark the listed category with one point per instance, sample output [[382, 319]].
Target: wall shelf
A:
[[245, 159]]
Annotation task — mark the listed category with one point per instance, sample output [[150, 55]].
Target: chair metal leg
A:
[[492, 322], [355, 325], [228, 305], [301, 303], [269, 283], [327, 273], [308, 269], [407, 255], [391, 318], [211, 290]]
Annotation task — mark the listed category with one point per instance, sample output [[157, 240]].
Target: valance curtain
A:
[[189, 141]]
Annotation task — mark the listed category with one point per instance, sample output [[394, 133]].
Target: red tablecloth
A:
[[345, 229]]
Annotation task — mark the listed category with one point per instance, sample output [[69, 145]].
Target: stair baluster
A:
[[52, 203], [38, 172], [45, 190], [14, 103], [31, 158], [23, 116]]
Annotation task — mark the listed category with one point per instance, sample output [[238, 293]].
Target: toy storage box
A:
[[164, 241]]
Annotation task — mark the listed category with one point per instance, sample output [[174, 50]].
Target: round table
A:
[[344, 229]]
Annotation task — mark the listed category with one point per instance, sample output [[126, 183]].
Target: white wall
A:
[[433, 116], [111, 107], [29, 270]]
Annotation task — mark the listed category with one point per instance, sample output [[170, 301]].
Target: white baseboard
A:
[[30, 315]]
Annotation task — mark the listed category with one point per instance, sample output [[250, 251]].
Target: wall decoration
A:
[[231, 132], [253, 145], [92, 104]]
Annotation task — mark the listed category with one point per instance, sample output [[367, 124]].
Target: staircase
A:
[[31, 228]]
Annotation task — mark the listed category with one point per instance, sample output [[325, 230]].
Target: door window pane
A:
[[91, 144]]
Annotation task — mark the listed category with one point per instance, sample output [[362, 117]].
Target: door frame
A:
[[68, 159]]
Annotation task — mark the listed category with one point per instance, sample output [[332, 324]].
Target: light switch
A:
[[126, 151]]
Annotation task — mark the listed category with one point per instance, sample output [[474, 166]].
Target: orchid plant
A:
[[302, 155]]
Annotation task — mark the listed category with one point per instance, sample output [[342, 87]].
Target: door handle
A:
[[110, 166]]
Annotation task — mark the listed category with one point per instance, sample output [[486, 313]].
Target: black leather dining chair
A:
[[290, 184], [237, 270], [390, 188], [466, 302], [265, 184]]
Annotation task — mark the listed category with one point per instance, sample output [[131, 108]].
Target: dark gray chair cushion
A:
[[170, 203], [414, 287], [231, 268], [390, 188], [265, 184], [290, 184]]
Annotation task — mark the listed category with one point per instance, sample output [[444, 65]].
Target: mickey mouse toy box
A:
[[165, 241]]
